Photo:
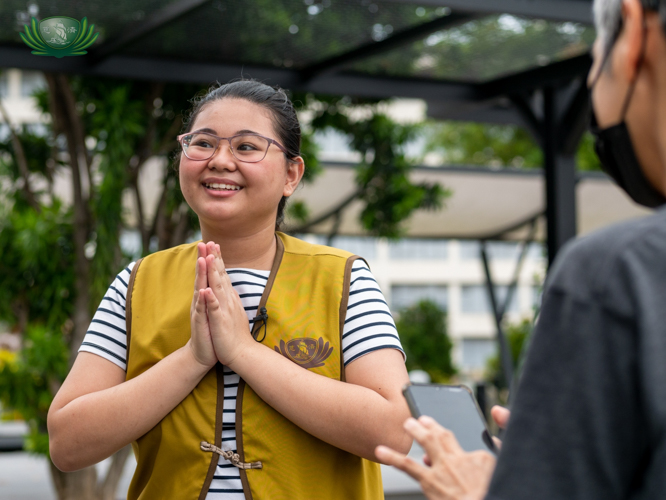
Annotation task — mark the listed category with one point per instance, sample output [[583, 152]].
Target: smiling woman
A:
[[278, 376]]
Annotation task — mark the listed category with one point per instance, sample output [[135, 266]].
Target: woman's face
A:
[[250, 192]]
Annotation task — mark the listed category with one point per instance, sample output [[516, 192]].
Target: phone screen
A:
[[453, 407]]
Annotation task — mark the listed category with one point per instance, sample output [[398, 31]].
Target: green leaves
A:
[[27, 383], [386, 190], [424, 337]]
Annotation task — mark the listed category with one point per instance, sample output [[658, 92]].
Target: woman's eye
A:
[[201, 143], [246, 146]]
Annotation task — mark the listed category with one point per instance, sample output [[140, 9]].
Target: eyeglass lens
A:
[[248, 148]]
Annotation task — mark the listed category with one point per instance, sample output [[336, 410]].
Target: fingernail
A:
[[410, 423], [426, 419]]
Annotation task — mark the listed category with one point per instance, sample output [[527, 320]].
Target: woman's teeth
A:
[[228, 187]]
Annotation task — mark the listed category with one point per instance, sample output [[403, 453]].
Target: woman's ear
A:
[[295, 170]]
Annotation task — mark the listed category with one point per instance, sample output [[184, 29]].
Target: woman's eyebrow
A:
[[246, 131], [209, 130]]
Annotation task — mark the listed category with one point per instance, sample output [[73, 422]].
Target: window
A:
[[419, 249], [403, 296], [476, 352], [475, 299], [358, 245], [470, 249], [499, 250], [30, 82]]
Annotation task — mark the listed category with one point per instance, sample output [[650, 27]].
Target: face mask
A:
[[618, 158]]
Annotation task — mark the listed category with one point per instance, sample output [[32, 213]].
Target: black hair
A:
[[274, 99]]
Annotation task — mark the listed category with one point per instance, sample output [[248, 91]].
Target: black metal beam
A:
[[560, 170], [172, 70], [397, 40], [575, 121], [152, 23], [579, 11], [552, 74]]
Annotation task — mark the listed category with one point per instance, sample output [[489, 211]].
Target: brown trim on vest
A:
[[343, 306], [279, 252], [128, 310], [219, 372]]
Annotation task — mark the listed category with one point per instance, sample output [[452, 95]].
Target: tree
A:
[[467, 143], [517, 335], [382, 176], [423, 333], [58, 258]]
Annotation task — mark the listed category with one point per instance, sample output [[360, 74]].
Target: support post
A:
[[560, 170]]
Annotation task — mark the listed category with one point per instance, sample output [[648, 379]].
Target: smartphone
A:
[[453, 407]]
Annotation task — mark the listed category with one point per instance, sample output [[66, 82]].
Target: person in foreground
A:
[[253, 366], [589, 417]]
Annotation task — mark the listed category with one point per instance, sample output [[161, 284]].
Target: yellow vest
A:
[[306, 302]]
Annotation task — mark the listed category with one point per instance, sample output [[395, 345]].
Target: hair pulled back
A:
[[274, 99]]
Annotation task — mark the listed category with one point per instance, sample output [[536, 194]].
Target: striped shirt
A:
[[368, 327]]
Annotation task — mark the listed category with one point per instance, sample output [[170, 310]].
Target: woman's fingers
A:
[[406, 464]]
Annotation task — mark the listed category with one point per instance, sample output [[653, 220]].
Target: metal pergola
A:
[[549, 99], [498, 61]]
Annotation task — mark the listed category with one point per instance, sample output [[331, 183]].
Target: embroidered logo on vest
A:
[[305, 352]]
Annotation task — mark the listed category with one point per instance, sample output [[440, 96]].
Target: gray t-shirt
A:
[[589, 418]]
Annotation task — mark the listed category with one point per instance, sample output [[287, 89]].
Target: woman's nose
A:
[[223, 157]]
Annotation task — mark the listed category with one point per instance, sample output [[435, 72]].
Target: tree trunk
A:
[[79, 485], [84, 484]]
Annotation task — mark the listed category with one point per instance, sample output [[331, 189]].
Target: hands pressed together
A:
[[220, 329], [449, 472]]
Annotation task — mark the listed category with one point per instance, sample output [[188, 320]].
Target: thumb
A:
[[200, 308], [500, 416]]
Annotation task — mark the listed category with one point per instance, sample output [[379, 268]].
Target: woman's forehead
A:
[[229, 116]]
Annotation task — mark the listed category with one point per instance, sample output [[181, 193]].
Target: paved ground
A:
[[27, 477]]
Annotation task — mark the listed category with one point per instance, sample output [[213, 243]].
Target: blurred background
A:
[[444, 142]]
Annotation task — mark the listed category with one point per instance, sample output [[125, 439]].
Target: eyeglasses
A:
[[249, 148]]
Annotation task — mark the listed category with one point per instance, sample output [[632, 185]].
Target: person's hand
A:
[[501, 417], [454, 474], [227, 319], [201, 342]]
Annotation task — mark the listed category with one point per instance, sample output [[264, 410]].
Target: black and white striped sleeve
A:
[[369, 325], [106, 335]]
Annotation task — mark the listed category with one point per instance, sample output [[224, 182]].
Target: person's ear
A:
[[630, 43], [295, 170]]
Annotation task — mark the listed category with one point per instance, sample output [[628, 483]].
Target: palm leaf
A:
[[33, 35], [88, 40], [87, 44], [82, 30], [27, 41], [37, 53]]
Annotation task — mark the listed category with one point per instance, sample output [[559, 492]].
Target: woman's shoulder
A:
[[298, 246]]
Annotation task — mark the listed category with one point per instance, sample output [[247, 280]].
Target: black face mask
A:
[[618, 159], [616, 152]]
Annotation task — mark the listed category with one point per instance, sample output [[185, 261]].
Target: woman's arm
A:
[[356, 416], [96, 412]]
